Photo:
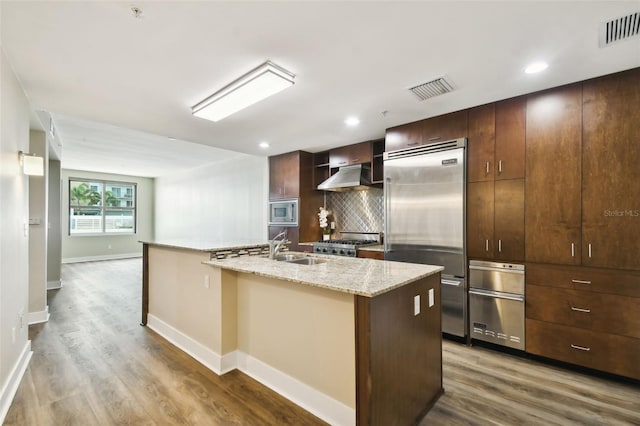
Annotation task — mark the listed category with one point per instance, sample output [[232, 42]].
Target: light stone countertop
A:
[[364, 277], [202, 245]]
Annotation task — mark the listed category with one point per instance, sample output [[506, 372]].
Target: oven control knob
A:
[[334, 251], [351, 253], [324, 250], [342, 252]]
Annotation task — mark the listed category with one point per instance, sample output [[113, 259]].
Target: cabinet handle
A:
[[486, 245], [585, 310], [342, 162], [412, 143], [355, 160], [580, 282], [589, 250], [582, 348], [499, 246], [487, 167], [499, 166], [435, 138], [573, 250]]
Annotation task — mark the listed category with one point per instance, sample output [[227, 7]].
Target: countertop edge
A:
[[205, 248]]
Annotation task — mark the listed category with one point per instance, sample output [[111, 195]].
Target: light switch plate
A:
[[431, 297], [416, 305]]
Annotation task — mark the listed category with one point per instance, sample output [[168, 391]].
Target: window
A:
[[101, 207]]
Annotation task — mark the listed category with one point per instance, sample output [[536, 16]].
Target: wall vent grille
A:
[[436, 87], [619, 29]]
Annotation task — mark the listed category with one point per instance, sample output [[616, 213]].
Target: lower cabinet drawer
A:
[[600, 351], [370, 254], [607, 313]]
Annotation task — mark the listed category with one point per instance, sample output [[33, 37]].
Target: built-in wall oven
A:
[[496, 303], [283, 212]]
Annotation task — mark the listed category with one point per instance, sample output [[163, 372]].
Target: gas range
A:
[[349, 245]]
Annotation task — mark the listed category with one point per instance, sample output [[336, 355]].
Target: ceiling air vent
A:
[[619, 29], [436, 87]]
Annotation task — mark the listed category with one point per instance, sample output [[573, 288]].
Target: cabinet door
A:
[[404, 136], [480, 212], [445, 127], [510, 137], [481, 143], [284, 176], [509, 219], [611, 171], [351, 154], [553, 176]]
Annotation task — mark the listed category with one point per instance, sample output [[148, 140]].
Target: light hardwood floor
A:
[[94, 365]]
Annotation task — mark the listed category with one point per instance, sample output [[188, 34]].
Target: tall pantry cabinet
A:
[[583, 223]]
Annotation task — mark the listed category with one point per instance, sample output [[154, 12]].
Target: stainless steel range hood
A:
[[348, 178]]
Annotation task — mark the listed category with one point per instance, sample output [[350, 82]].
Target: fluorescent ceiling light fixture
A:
[[263, 145], [256, 85], [352, 121], [536, 67], [32, 165]]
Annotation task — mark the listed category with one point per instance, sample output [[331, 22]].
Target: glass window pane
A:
[[85, 220], [119, 194], [121, 220], [85, 193]]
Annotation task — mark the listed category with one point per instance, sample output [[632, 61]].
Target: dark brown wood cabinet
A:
[[370, 254], [358, 153], [495, 220], [584, 316], [436, 129], [611, 171], [291, 175], [553, 175], [510, 138], [481, 143], [284, 175]]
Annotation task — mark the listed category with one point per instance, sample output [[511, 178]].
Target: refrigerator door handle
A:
[[387, 193], [451, 282], [497, 294]]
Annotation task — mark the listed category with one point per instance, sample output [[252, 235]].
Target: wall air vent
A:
[[619, 29], [436, 87]]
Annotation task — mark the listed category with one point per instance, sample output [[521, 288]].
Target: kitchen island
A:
[[351, 340]]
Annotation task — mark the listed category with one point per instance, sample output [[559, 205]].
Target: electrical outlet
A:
[[431, 297], [13, 335], [206, 281], [109, 247], [416, 305]]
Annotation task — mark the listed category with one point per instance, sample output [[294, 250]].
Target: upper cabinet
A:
[[284, 176], [553, 176], [510, 138], [358, 153], [437, 129], [496, 141], [611, 171]]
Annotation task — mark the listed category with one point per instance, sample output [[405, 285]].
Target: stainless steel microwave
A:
[[283, 212]]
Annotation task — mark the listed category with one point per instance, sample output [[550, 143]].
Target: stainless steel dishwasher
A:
[[496, 303]]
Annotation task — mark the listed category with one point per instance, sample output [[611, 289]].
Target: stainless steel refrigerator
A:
[[424, 201]]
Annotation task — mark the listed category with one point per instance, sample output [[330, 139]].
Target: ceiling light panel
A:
[[258, 84]]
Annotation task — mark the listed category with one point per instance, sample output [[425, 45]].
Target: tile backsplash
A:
[[360, 211]]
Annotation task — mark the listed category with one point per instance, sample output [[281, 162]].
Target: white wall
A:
[[226, 201], [54, 237], [98, 247], [14, 244]]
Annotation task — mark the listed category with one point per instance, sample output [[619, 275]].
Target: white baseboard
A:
[[10, 387], [101, 257], [38, 317], [328, 409], [54, 285], [201, 353]]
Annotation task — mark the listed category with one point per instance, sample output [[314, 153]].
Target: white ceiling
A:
[[94, 66]]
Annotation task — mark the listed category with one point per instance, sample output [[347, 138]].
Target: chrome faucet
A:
[[275, 245]]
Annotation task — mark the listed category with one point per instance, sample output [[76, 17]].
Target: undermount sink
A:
[[298, 259]]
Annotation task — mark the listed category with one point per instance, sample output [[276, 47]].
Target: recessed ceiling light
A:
[[352, 121], [263, 145], [536, 67]]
